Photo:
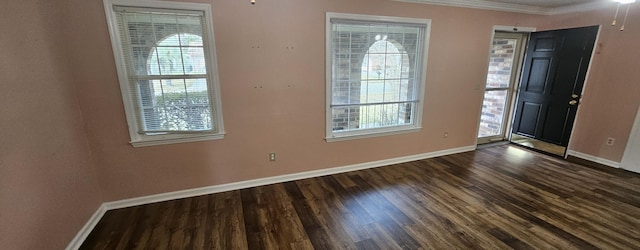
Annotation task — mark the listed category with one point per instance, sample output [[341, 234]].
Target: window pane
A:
[[153, 63], [372, 92], [176, 105], [175, 60], [493, 108], [344, 92], [140, 28], [371, 116], [156, 94], [345, 118], [392, 91], [189, 25], [193, 58], [187, 103], [170, 40], [170, 60], [197, 90], [342, 65], [501, 62], [152, 119]]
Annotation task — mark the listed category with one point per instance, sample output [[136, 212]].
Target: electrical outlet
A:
[[611, 141], [272, 156]]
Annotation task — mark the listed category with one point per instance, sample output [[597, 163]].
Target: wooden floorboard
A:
[[501, 197]]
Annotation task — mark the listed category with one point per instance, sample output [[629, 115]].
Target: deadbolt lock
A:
[[574, 96]]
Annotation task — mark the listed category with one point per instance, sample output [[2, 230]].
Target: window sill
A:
[[175, 139], [371, 134]]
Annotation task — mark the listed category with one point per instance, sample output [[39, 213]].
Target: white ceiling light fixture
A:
[[621, 2]]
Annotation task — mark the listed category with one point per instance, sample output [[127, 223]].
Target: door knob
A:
[[573, 102]]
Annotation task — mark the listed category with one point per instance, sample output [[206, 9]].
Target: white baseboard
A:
[[276, 179], [595, 159], [87, 228], [84, 232]]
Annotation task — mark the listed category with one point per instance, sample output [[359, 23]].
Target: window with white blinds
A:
[[376, 71], [167, 71]]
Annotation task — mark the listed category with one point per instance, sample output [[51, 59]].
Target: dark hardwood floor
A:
[[494, 198]]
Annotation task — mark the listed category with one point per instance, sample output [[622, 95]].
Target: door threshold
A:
[[538, 145], [493, 144]]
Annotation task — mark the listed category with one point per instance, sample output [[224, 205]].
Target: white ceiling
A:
[[541, 7], [547, 3]]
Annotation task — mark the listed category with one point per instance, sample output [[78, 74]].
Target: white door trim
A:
[[631, 158], [525, 31]]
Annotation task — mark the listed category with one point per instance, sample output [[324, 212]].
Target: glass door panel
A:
[[493, 113], [501, 79]]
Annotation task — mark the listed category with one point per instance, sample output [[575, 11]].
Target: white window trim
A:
[[376, 132], [138, 140]]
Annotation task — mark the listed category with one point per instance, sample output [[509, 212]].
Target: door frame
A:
[[543, 113], [630, 159], [528, 30], [515, 82]]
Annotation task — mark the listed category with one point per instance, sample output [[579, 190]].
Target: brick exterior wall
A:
[[499, 76]]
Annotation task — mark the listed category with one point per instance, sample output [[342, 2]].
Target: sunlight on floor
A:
[[539, 145]]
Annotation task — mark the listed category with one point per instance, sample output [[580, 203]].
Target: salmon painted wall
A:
[[277, 118], [48, 188], [612, 91], [65, 134]]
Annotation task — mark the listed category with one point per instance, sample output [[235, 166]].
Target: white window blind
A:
[[376, 74], [166, 62]]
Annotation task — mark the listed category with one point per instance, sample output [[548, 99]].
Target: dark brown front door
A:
[[554, 71]]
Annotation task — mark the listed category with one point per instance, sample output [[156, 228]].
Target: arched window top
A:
[[384, 75], [177, 54], [385, 60]]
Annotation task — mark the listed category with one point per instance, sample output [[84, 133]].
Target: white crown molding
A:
[[511, 29], [580, 7], [516, 8], [485, 5]]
